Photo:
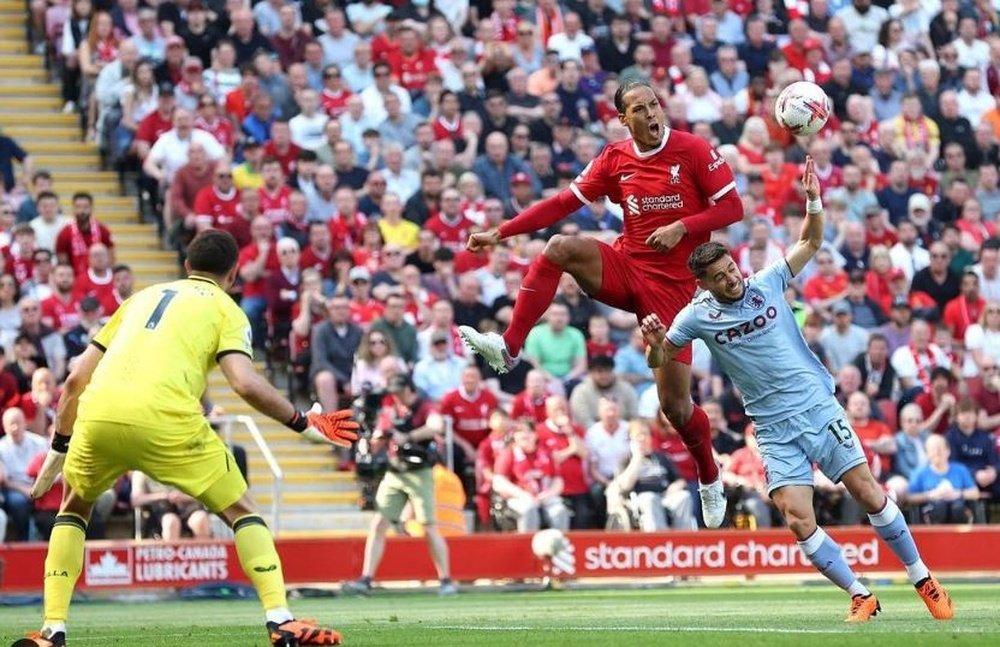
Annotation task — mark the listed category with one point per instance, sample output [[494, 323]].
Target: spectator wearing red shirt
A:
[[877, 230], [39, 404], [746, 469], [283, 289], [209, 120], [486, 457], [364, 308], [333, 98], [984, 389], [965, 309], [449, 225], [257, 261], [239, 102], [275, 194], [795, 50], [599, 342], [122, 288], [938, 403], [386, 44], [189, 179], [530, 403], [779, 178], [216, 205], [75, 239], [281, 148], [411, 64], [525, 477], [873, 434], [448, 124], [828, 285], [155, 123], [59, 311], [469, 406], [318, 254], [346, 222], [97, 280], [19, 256], [565, 442]]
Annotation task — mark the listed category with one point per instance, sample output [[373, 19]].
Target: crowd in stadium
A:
[[352, 147]]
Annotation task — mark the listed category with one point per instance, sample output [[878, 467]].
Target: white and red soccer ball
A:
[[802, 108]]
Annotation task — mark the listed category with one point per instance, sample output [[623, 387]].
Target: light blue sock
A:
[[891, 527], [825, 555]]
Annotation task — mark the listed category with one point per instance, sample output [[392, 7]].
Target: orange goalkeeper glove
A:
[[335, 428]]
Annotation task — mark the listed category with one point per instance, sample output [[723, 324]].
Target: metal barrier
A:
[[277, 482]]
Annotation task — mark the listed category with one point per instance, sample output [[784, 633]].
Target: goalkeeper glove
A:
[[52, 466], [335, 428]]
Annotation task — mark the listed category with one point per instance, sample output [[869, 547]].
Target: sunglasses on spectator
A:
[[336, 75], [376, 340], [223, 175]]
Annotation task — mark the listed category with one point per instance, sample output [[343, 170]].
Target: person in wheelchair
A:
[[525, 478], [648, 493]]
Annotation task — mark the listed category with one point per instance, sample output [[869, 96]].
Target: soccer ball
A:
[[546, 543], [802, 108]]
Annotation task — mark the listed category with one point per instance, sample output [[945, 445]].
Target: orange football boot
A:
[[38, 639], [936, 598], [863, 608], [294, 633]]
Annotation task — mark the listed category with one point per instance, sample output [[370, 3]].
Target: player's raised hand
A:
[[653, 330], [666, 237], [809, 180], [337, 428], [482, 240]]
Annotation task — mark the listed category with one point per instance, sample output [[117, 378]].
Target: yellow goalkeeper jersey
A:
[[158, 349]]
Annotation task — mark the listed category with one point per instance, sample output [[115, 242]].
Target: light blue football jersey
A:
[[759, 345]]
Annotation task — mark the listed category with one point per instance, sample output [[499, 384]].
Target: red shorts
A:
[[628, 286]]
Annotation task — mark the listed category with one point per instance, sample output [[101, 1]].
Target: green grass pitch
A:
[[704, 616]]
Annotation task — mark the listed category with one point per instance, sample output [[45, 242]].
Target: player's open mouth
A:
[[654, 129]]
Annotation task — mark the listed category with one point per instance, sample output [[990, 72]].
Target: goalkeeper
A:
[[132, 403]]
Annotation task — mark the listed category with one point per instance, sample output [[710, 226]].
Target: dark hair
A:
[[382, 65], [120, 267], [625, 88], [41, 174], [213, 252], [83, 195], [270, 159], [941, 371], [307, 155], [877, 336], [703, 256], [991, 243], [45, 195]]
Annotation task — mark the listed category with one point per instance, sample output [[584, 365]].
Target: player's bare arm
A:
[[659, 351], [77, 381], [811, 235], [336, 428]]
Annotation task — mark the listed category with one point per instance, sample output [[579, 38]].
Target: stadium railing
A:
[[278, 478]]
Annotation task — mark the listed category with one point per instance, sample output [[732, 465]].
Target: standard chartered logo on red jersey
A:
[[637, 206]]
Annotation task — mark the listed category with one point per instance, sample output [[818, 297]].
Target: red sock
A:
[[537, 292], [697, 436]]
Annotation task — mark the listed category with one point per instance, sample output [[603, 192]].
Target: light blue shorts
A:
[[820, 435]]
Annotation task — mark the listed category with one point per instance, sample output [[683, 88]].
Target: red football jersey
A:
[[532, 472], [334, 103], [287, 158], [221, 129], [524, 407], [572, 469], [412, 70], [655, 188], [151, 127], [346, 232], [470, 418], [363, 314], [20, 268], [249, 253], [209, 202], [452, 235], [58, 314], [76, 250], [111, 302], [275, 205], [322, 264], [90, 285]]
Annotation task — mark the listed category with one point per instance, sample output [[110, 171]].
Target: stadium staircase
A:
[[317, 500]]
